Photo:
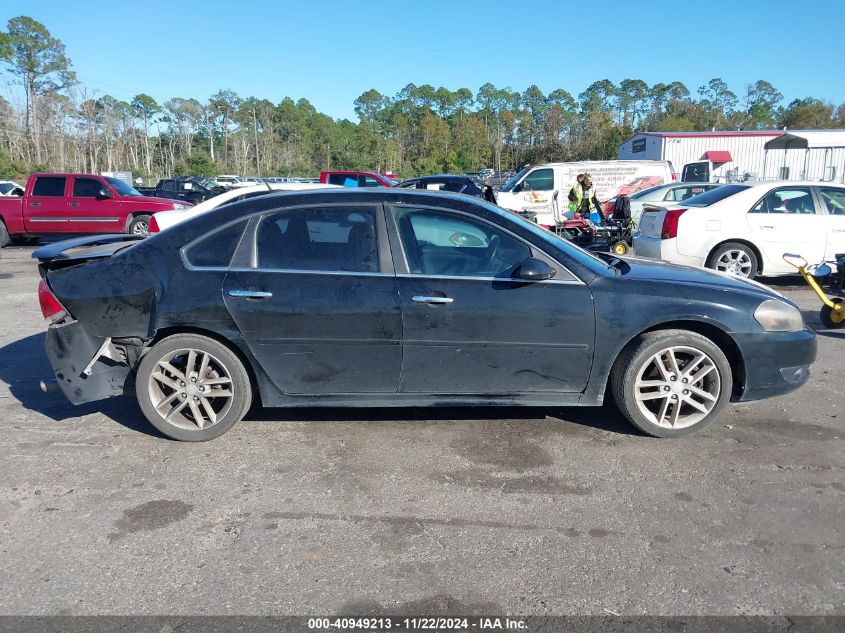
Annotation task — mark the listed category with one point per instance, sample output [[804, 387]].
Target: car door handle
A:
[[35, 204], [73, 204], [428, 299], [250, 294], [839, 230], [766, 226]]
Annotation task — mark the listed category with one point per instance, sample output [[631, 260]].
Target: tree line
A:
[[63, 125]]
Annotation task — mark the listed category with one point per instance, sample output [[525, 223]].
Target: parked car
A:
[[542, 191], [229, 181], [455, 183], [660, 194], [9, 188], [77, 203], [191, 189], [744, 229], [356, 179], [167, 219], [398, 297]]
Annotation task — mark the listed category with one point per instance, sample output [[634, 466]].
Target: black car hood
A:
[[663, 272]]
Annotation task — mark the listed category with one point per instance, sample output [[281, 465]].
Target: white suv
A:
[[746, 229]]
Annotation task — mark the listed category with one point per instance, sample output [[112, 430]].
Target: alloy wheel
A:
[[736, 262], [141, 228], [677, 387], [190, 389]]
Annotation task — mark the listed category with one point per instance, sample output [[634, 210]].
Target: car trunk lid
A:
[[79, 250], [651, 220]]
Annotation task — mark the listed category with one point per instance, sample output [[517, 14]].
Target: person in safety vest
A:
[[582, 197]]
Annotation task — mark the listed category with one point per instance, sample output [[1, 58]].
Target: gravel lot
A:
[[565, 511]]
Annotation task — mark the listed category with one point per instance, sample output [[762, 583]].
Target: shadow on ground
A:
[[23, 363]]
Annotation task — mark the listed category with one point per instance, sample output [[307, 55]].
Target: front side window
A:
[[834, 201], [216, 249], [684, 193], [86, 187], [333, 239], [49, 186], [442, 243], [369, 181], [792, 200], [538, 180]]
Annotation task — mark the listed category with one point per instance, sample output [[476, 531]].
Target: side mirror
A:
[[103, 194], [534, 270]]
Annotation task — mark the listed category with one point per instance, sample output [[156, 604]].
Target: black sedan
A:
[[454, 183], [389, 297]]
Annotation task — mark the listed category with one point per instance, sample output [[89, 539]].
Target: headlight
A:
[[777, 316]]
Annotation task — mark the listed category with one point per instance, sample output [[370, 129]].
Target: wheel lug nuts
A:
[[666, 388], [194, 379], [202, 389], [181, 384], [183, 395], [196, 399], [674, 397], [684, 381], [686, 392], [673, 378]]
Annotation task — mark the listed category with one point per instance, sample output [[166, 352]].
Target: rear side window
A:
[[714, 195], [795, 201], [216, 249], [49, 186], [341, 179], [334, 239]]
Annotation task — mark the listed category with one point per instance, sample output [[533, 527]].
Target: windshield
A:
[[714, 195], [122, 188], [208, 183], [645, 192], [510, 184], [390, 182]]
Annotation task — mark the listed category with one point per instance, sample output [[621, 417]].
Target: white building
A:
[[731, 156]]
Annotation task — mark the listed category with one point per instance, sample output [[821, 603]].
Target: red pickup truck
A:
[[54, 204]]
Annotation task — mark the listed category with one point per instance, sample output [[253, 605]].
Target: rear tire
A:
[[658, 401], [192, 388], [4, 235], [140, 225], [736, 259], [827, 315]]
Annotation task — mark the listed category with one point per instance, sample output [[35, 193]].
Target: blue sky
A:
[[331, 51]]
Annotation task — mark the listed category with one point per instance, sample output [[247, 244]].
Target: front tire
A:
[[830, 319], [735, 258], [140, 225], [671, 383], [192, 388]]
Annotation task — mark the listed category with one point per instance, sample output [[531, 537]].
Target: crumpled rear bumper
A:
[[87, 367]]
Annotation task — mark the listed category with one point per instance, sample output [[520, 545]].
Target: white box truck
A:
[[540, 192]]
